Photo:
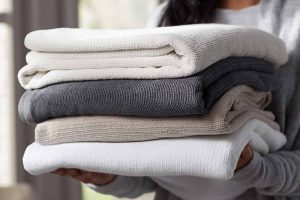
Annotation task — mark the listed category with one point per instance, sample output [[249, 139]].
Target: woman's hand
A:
[[86, 177], [245, 158]]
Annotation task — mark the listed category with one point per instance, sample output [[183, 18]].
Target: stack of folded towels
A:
[[166, 101]]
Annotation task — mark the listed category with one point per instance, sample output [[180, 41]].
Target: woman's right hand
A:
[[86, 177]]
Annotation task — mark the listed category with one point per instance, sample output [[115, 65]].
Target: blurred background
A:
[[17, 18]]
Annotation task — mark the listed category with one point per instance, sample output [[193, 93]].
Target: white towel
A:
[[61, 55], [203, 156]]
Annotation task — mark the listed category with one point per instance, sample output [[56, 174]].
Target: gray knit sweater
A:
[[274, 176]]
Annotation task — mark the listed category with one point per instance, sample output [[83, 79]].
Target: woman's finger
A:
[[74, 172], [61, 172], [245, 157]]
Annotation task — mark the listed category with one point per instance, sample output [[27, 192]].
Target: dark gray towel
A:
[[162, 97]]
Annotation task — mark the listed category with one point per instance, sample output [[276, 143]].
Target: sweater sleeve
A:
[[276, 174], [126, 187]]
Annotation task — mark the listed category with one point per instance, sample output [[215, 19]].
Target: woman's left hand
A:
[[245, 158], [85, 176]]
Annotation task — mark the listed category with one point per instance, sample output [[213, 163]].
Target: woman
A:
[[274, 176]]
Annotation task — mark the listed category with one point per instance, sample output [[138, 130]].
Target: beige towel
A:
[[228, 115]]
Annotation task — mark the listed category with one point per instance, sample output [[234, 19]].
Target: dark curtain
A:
[[29, 15]]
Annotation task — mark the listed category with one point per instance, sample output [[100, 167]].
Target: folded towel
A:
[[227, 116], [203, 156], [163, 97], [168, 52], [129, 129]]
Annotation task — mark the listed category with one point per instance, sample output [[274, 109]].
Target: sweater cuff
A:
[[116, 187]]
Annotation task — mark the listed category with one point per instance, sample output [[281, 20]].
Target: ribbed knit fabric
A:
[[204, 156], [162, 97], [227, 116], [168, 52]]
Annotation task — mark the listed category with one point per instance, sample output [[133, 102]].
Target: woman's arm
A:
[[276, 174]]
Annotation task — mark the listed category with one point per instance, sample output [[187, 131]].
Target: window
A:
[[114, 14], [7, 172]]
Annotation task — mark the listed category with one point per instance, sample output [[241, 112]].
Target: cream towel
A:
[[228, 115], [203, 156], [61, 55]]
